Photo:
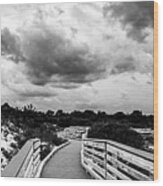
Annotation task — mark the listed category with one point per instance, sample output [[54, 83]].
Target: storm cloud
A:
[[135, 17], [10, 44], [36, 93], [78, 55], [126, 65], [50, 57]]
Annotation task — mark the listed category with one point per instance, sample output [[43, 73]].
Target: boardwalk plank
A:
[[66, 164]]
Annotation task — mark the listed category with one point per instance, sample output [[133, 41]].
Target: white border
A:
[[52, 182]]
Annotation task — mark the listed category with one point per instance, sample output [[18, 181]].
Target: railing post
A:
[[82, 151], [33, 166], [105, 158], [93, 150]]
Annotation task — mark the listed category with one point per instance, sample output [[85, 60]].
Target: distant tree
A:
[[76, 114], [136, 113], [119, 115], [118, 133], [89, 114], [50, 113], [59, 113], [101, 114], [5, 106]]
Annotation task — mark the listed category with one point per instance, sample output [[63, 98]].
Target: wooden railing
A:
[[106, 159], [26, 162]]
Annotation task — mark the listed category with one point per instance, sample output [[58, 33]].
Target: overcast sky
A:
[[78, 56]]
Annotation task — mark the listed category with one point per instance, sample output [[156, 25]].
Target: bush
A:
[[118, 133], [20, 140], [13, 145], [45, 150], [58, 141], [7, 154]]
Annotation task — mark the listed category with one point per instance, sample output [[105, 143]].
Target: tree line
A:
[[102, 125]]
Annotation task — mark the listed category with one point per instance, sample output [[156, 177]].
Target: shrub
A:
[[119, 133], [45, 150], [7, 154], [13, 145]]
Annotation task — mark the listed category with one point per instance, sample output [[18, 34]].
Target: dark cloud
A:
[[64, 85], [51, 58], [36, 93], [126, 65], [10, 44], [149, 82], [133, 78], [134, 16], [27, 90]]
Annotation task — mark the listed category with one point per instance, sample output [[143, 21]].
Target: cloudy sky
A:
[[78, 56]]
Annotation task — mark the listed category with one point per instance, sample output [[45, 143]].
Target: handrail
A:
[[135, 151], [107, 159], [26, 162]]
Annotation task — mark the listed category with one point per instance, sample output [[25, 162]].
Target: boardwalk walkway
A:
[[66, 164]]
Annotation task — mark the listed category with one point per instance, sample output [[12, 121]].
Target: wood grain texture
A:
[[155, 90]]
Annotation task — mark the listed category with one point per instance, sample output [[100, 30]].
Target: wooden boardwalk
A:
[[66, 164]]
